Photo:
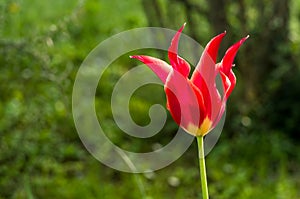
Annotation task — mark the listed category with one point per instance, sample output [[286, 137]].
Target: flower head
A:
[[195, 103]]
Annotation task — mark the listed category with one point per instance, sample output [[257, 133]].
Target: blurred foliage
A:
[[43, 43]]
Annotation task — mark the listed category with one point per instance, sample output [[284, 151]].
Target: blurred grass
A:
[[42, 45]]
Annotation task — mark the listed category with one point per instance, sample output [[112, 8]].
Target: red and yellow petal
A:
[[204, 76], [185, 103]]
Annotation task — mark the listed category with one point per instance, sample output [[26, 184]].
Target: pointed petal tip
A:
[[181, 28], [134, 56], [219, 37], [237, 45], [138, 57], [244, 39], [223, 33]]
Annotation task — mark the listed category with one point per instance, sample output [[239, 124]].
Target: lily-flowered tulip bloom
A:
[[195, 103]]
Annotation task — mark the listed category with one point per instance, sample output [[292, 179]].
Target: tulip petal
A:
[[227, 75], [204, 76], [225, 67], [159, 67], [213, 46], [228, 87], [184, 102], [206, 66], [229, 83], [226, 63], [178, 63]]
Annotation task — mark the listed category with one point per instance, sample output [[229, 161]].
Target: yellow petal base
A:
[[203, 130]]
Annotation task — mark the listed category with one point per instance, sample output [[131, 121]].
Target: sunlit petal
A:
[[178, 63], [204, 76], [184, 102], [159, 67]]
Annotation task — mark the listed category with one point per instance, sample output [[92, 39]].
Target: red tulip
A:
[[195, 103]]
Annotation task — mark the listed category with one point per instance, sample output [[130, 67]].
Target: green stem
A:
[[202, 167]]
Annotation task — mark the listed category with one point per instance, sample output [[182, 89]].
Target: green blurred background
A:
[[42, 45]]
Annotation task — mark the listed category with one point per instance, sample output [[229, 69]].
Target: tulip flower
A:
[[195, 103]]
